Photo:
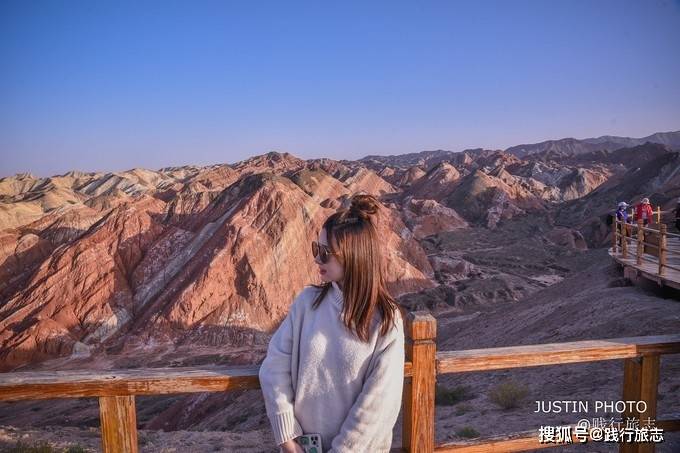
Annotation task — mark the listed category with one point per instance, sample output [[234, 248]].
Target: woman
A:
[[335, 365]]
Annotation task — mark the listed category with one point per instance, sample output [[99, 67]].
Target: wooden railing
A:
[[116, 390], [656, 213], [646, 245]]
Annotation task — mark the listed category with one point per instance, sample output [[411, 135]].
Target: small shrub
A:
[[43, 447], [448, 397], [463, 408], [508, 394], [36, 447], [467, 432], [76, 449]]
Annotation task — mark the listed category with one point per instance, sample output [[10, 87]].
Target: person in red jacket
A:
[[644, 212]]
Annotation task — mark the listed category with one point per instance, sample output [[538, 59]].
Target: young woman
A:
[[335, 365]]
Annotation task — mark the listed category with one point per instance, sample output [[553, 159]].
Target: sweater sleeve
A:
[[276, 380], [372, 416]]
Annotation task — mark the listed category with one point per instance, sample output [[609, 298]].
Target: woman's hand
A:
[[290, 446]]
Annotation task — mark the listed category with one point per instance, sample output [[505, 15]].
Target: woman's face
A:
[[332, 270]]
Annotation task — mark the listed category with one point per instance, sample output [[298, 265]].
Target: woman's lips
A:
[[322, 271]]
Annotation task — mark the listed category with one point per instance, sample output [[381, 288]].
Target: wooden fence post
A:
[[625, 230], [614, 229], [640, 383], [419, 392], [119, 424], [662, 248], [641, 240]]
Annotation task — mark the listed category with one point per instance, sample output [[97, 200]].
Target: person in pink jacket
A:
[[644, 211]]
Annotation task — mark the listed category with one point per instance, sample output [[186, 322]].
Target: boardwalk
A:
[[647, 265]]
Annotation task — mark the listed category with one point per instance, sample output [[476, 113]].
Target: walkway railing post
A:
[[419, 392], [662, 248], [614, 230], [641, 240], [119, 424], [625, 231], [640, 383]]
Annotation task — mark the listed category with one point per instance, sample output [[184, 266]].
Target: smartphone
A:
[[311, 443]]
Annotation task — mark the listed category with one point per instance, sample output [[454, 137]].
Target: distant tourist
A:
[[622, 213], [622, 216], [334, 369], [644, 211]]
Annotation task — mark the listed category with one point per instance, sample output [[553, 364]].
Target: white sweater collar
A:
[[336, 294]]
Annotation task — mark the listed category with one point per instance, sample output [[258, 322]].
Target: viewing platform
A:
[[647, 253]]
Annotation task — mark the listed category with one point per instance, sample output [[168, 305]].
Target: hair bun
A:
[[363, 206]]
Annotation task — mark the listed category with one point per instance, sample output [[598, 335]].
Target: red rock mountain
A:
[[143, 263], [198, 261]]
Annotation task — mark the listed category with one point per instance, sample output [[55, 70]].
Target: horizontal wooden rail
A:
[[634, 225], [521, 441], [154, 381], [141, 381], [647, 259], [528, 440], [555, 353]]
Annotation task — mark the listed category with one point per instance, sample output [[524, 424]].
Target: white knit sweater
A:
[[319, 377]]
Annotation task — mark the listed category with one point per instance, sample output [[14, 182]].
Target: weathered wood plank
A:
[[119, 424], [419, 391], [669, 425], [140, 381], [152, 381], [649, 385], [640, 383], [521, 441], [554, 353], [631, 392]]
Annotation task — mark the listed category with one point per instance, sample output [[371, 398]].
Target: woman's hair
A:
[[353, 238]]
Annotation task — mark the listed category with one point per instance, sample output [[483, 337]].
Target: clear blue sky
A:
[[108, 86]]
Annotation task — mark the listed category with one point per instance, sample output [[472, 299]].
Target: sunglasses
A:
[[322, 251]]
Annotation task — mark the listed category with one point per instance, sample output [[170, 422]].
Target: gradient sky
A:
[[108, 86]]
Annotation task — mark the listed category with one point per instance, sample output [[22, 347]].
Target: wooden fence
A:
[[655, 252], [116, 390]]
